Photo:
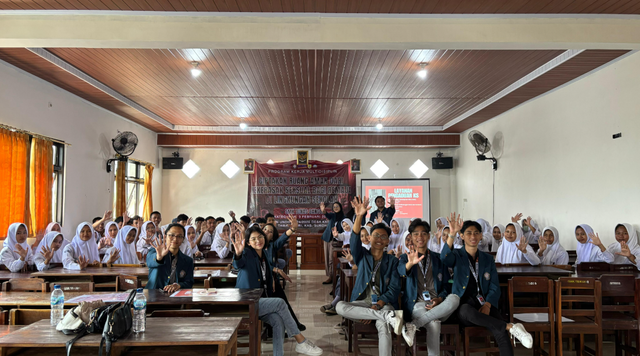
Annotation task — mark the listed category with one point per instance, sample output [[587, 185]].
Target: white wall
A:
[[24, 103], [559, 163], [210, 192]]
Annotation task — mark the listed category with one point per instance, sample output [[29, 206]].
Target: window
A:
[[57, 194], [134, 181]]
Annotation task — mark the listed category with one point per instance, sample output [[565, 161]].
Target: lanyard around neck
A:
[[474, 272], [424, 269]]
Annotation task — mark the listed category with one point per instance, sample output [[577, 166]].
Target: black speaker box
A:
[[172, 162], [442, 162]]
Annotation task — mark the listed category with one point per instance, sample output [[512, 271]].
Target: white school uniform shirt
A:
[[397, 240], [487, 236], [186, 244], [554, 254], [142, 246], [495, 244], [588, 252], [436, 245], [346, 235], [47, 240], [128, 254], [633, 247], [207, 237], [219, 245], [533, 237], [509, 253], [8, 256], [78, 248]]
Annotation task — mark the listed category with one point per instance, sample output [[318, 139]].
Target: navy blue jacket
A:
[[160, 272], [327, 235], [487, 276], [387, 215], [274, 246], [440, 281], [390, 280], [250, 270]]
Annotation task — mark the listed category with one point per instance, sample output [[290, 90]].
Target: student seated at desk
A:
[[147, 236], [189, 246], [222, 241], [123, 250], [49, 250], [16, 253], [83, 250], [487, 236], [514, 247], [475, 281], [377, 286], [207, 231], [590, 248], [169, 268], [625, 249], [255, 272], [498, 235], [551, 252], [426, 301]]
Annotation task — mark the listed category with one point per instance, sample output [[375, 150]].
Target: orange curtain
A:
[[121, 189], [147, 196], [14, 168], [40, 184]]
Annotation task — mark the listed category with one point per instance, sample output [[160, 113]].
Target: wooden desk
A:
[[549, 271], [7, 329], [6, 275], [92, 272], [224, 299], [222, 332], [213, 262]]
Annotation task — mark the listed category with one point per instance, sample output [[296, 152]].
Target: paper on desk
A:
[[107, 297], [215, 273], [537, 318], [195, 293]]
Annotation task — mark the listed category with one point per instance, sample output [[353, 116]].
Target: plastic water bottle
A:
[[57, 305], [139, 312]]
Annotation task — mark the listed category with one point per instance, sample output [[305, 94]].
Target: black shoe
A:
[[301, 327], [328, 281], [331, 293]]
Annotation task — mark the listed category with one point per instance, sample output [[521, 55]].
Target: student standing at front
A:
[[475, 281], [375, 294]]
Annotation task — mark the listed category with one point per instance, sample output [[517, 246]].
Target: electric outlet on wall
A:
[[618, 135]]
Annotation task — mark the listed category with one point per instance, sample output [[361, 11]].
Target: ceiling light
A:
[[339, 161], [379, 168], [195, 72], [419, 169], [229, 169], [422, 73], [190, 169], [243, 125], [379, 125], [269, 162]]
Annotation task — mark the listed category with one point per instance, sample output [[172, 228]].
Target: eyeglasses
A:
[[378, 236], [255, 239], [175, 236]]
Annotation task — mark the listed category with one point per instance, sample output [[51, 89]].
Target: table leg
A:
[[254, 333], [3, 351], [334, 268], [232, 345]]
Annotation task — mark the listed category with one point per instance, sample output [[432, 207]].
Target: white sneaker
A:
[[396, 321], [408, 333], [519, 332], [308, 348]]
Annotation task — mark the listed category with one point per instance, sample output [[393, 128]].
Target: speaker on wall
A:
[[172, 162], [442, 162]]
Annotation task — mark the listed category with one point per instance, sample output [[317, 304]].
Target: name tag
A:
[[427, 297], [480, 299], [374, 299]]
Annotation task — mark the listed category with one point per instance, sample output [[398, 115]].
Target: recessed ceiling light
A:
[[422, 73], [339, 161], [379, 168], [195, 72], [379, 126], [419, 169], [243, 125], [269, 162], [229, 169], [190, 169]]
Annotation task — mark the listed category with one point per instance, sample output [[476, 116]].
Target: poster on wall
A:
[[285, 188]]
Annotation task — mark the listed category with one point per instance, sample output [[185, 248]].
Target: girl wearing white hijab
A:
[[625, 249], [365, 238], [487, 235], [110, 235], [590, 248], [54, 226], [49, 250], [551, 252], [347, 226], [16, 253], [188, 246], [222, 241], [123, 250], [498, 234], [83, 250], [396, 239], [510, 251], [147, 232]]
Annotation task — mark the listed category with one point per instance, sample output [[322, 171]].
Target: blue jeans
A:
[[274, 312]]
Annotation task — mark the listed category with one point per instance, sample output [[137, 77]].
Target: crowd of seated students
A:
[[450, 274]]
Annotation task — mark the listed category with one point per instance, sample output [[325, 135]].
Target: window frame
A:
[[136, 178], [59, 170]]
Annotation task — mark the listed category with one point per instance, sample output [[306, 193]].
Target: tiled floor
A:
[[307, 294]]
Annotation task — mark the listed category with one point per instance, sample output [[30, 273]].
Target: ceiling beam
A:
[[128, 29]]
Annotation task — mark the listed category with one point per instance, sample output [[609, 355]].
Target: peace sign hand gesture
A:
[[523, 245], [455, 224]]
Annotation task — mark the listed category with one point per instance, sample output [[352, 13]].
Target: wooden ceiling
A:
[[342, 6]]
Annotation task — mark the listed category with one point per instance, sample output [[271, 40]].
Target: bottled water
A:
[[139, 312], [57, 305]]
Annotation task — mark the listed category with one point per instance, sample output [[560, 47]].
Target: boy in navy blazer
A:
[[475, 281], [426, 301], [375, 294]]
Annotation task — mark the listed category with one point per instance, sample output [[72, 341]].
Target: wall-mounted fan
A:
[[481, 143], [124, 144]]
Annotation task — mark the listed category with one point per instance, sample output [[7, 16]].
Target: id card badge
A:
[[374, 299], [480, 299], [427, 297]]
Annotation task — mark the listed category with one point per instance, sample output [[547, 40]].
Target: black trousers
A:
[[469, 315]]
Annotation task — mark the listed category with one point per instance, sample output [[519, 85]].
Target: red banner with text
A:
[[284, 188]]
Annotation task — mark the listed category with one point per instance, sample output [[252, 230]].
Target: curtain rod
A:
[[14, 129], [140, 161]]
